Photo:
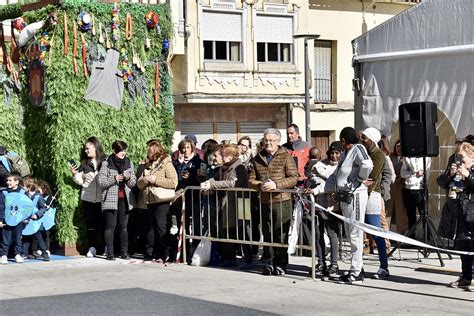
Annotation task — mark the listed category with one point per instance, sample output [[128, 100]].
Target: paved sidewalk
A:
[[96, 286]]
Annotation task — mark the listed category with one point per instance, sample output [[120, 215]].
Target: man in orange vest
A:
[[297, 148]]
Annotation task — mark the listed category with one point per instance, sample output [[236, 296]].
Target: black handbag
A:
[[344, 196]]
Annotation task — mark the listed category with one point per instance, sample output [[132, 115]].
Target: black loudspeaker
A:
[[417, 129]]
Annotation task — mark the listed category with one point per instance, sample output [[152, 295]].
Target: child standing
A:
[[13, 181], [45, 191], [31, 191]]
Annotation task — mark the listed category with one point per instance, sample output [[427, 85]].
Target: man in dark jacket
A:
[[274, 169]]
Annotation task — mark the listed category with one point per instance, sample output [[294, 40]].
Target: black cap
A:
[[335, 146]]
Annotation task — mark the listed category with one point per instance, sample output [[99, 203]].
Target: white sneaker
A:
[[39, 252], [4, 260], [48, 252], [18, 259], [91, 253]]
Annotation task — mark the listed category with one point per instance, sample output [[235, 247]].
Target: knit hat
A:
[[335, 146], [192, 138], [373, 134]]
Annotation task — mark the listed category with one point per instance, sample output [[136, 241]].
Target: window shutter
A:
[[203, 131], [322, 71], [227, 131], [254, 130], [221, 26], [274, 29]]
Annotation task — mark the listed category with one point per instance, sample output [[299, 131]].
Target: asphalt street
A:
[[82, 286]]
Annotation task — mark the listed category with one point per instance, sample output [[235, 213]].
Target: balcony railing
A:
[[323, 90]]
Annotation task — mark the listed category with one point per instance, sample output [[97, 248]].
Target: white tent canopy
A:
[[423, 54]]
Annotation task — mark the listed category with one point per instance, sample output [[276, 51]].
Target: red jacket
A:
[[300, 151]]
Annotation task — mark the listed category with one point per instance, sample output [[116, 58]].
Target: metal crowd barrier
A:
[[202, 213]]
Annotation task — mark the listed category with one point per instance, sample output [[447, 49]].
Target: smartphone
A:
[[203, 167], [72, 162], [458, 159]]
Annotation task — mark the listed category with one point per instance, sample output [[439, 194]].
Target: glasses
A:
[[271, 140]]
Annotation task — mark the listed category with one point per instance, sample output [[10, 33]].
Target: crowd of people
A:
[[358, 176]]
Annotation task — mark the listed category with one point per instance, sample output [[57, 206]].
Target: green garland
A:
[[54, 133]]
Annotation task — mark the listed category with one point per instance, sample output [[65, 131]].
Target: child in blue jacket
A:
[[13, 182], [30, 186]]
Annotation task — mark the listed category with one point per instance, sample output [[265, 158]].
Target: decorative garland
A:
[[126, 69], [115, 23], [44, 44]]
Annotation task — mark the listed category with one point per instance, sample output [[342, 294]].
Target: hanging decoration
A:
[[101, 37], [151, 20], [107, 39], [74, 47], [44, 44], [93, 26], [35, 74], [126, 69], [157, 84], [84, 21], [105, 84], [84, 56], [19, 24], [128, 27], [66, 35], [115, 23], [166, 44]]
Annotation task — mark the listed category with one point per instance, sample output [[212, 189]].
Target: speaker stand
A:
[[427, 224]]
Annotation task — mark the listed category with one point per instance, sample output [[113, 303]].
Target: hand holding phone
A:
[[72, 162]]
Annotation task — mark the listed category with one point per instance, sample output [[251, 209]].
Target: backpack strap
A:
[[6, 162]]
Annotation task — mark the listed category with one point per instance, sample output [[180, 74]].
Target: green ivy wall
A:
[[55, 132]]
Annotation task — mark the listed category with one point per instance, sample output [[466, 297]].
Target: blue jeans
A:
[[375, 220]]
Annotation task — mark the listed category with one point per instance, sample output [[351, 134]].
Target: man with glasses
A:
[[274, 169]]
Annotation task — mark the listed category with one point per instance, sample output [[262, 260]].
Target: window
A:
[[274, 37], [274, 52], [221, 50], [221, 34], [323, 72]]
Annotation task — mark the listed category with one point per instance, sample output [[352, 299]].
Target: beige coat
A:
[[166, 177]]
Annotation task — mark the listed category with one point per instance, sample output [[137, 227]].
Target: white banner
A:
[[377, 231]]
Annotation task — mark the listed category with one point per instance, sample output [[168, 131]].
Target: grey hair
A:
[[273, 131]]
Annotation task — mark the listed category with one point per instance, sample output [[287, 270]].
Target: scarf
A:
[[225, 167], [120, 165]]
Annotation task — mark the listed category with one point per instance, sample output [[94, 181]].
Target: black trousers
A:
[[94, 222], [413, 200], [112, 217], [466, 261], [27, 240], [157, 237], [332, 228], [10, 233], [46, 237], [279, 215]]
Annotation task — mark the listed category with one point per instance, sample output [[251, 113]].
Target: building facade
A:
[[237, 69]]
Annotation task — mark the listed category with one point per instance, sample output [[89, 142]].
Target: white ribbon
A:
[[377, 231]]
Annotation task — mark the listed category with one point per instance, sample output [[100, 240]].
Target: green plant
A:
[[54, 133]]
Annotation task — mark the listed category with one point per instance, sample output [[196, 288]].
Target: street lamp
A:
[[306, 82]]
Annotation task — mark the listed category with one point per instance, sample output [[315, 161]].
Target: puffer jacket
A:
[[281, 169], [106, 180], [166, 177], [87, 179]]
